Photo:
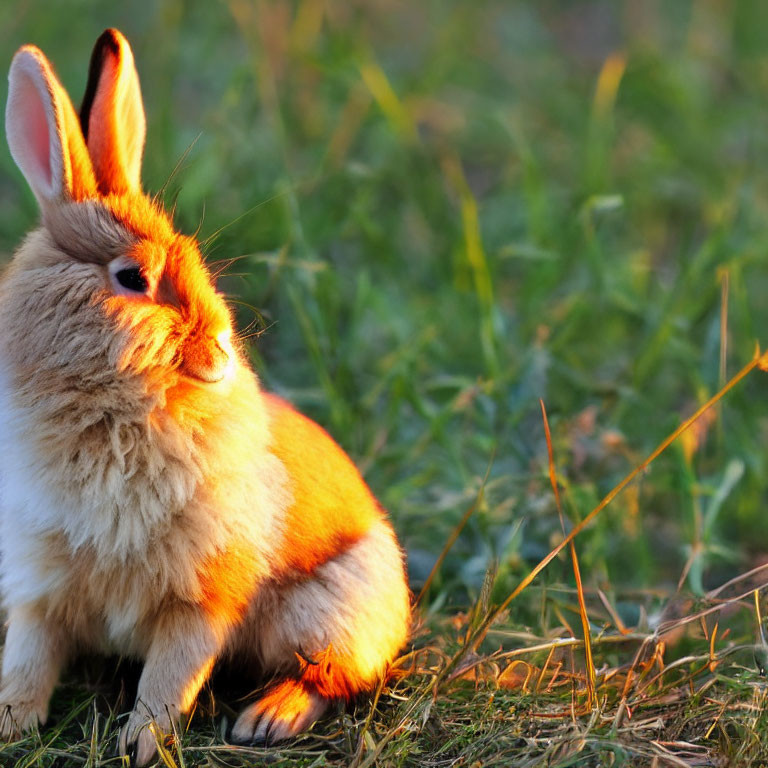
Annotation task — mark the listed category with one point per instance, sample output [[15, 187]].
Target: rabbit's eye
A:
[[132, 279]]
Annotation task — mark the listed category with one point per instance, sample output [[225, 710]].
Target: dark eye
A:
[[132, 279]]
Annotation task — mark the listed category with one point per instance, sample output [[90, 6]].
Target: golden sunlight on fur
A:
[[155, 503], [288, 708]]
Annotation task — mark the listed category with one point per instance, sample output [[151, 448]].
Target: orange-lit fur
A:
[[325, 486], [154, 501]]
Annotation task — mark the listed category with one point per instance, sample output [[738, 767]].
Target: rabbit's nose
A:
[[208, 358]]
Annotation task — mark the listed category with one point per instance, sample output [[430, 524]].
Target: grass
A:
[[442, 213]]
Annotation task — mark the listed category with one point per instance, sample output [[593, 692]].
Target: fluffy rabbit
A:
[[154, 501]]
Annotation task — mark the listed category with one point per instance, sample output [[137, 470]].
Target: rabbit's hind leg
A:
[[286, 710], [331, 636]]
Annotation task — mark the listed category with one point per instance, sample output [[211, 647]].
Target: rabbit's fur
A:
[[154, 502]]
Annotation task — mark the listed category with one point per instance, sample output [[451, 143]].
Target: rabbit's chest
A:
[[104, 606], [114, 487], [101, 604]]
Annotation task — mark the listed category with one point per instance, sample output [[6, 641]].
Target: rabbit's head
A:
[[105, 289]]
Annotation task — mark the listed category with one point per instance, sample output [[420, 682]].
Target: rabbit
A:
[[154, 501]]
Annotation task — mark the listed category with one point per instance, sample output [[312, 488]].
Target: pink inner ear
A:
[[32, 116]]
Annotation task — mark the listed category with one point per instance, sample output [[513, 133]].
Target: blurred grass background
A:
[[447, 210]]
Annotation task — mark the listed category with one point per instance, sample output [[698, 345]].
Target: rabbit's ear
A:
[[43, 133], [112, 115]]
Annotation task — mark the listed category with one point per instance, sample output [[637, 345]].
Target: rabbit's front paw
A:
[[18, 717], [143, 732]]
